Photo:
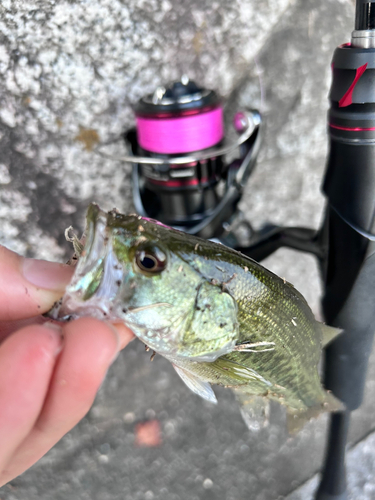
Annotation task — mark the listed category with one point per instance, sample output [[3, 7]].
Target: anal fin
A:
[[254, 409], [296, 419], [195, 384]]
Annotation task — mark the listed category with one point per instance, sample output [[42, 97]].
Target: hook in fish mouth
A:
[[98, 274]]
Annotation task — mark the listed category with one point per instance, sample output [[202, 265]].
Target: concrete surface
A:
[[361, 479], [69, 72]]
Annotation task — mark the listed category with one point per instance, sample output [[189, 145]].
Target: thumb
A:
[[29, 287]]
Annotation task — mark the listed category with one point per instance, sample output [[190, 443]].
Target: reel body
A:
[[180, 173]]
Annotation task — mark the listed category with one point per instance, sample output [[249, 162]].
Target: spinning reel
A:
[[181, 172]]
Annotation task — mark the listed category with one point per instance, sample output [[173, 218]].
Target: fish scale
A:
[[217, 315], [278, 302]]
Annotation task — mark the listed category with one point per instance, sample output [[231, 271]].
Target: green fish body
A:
[[217, 315]]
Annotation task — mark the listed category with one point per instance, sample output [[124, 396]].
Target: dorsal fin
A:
[[329, 333]]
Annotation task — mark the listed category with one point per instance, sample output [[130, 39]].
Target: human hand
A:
[[49, 373]]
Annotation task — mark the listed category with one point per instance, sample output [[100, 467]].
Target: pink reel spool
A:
[[179, 120]]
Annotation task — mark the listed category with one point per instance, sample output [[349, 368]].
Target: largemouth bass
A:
[[217, 315]]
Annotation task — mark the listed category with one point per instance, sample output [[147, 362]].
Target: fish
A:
[[217, 315]]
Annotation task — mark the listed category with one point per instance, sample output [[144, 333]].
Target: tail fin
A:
[[296, 419]]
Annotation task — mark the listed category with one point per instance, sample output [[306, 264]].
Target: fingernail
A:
[[118, 342], [56, 334], [48, 275]]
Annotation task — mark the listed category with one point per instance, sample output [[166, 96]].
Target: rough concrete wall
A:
[[71, 69], [69, 72]]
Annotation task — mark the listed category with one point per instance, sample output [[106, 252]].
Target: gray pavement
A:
[[73, 66], [206, 450], [361, 478]]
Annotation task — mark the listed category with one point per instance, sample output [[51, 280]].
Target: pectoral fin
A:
[[195, 384], [329, 333]]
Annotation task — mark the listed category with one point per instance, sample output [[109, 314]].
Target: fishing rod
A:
[[189, 174], [348, 235]]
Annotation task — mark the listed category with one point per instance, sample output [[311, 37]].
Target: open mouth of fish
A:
[[98, 275], [99, 287]]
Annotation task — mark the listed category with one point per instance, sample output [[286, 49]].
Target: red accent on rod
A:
[[352, 129], [347, 98], [191, 182]]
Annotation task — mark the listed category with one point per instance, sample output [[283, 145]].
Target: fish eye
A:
[[150, 260]]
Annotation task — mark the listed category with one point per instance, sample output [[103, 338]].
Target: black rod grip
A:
[[347, 357], [333, 484], [349, 274]]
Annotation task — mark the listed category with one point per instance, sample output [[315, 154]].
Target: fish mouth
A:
[[97, 277]]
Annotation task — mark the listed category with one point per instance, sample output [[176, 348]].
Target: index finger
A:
[[29, 287]]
